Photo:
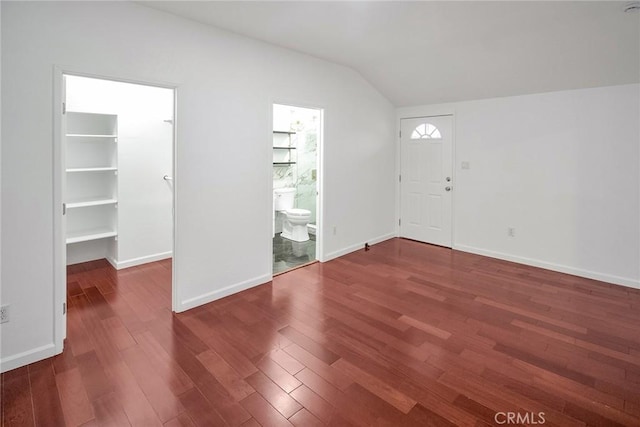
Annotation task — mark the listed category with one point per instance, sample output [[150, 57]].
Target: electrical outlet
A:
[[465, 165], [4, 313], [511, 232], [335, 230]]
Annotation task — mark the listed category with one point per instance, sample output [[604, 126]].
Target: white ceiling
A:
[[431, 52]]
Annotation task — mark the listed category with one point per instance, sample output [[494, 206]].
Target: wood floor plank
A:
[[163, 364], [313, 403], [109, 411], [182, 420], [355, 414], [304, 418], [77, 333], [288, 363], [46, 402], [157, 391], [17, 406], [208, 386], [430, 329], [278, 375], [264, 413], [133, 400], [273, 394], [225, 374], [376, 386], [309, 344], [405, 334], [93, 375], [118, 333], [199, 409], [231, 354], [73, 397], [318, 366], [422, 416]]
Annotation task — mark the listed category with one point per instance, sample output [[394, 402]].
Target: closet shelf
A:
[[283, 163], [91, 234], [92, 169], [83, 203], [84, 135], [284, 148], [284, 132]]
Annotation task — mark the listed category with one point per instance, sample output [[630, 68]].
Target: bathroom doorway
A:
[[296, 144]]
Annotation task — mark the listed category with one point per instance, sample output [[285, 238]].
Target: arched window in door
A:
[[426, 131]]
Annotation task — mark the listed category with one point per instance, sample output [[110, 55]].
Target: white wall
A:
[[226, 87], [562, 168]]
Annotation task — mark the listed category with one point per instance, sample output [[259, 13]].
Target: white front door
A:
[[426, 180]]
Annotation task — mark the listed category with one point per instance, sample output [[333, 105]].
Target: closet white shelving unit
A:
[[91, 158]]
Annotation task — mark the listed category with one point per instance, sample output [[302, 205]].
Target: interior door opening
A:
[[297, 138], [117, 155]]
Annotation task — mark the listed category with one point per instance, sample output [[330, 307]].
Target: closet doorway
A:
[[115, 153]]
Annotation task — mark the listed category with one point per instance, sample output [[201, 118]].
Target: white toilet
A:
[[294, 226]]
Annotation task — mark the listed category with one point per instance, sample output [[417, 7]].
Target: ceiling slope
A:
[[432, 52]]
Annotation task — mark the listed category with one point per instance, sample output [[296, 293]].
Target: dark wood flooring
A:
[[404, 334]]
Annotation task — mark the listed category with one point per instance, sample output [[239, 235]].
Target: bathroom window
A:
[[426, 131]]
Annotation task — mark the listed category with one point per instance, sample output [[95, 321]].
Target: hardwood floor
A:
[[404, 334]]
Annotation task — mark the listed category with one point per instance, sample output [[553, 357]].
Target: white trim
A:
[[59, 223], [27, 357], [444, 112], [176, 180], [59, 244], [119, 265], [319, 167], [221, 293], [603, 277], [353, 248]]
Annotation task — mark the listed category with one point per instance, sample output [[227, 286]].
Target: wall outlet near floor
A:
[[511, 232], [335, 230], [4, 313]]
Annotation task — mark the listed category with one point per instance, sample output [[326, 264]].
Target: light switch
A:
[[465, 165]]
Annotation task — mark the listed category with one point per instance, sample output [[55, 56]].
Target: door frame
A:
[[59, 178], [423, 113], [319, 181]]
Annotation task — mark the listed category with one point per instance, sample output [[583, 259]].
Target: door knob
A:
[[447, 188], [448, 179]]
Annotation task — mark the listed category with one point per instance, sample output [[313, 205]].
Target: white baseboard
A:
[[221, 293], [631, 283], [353, 248], [119, 265], [30, 356]]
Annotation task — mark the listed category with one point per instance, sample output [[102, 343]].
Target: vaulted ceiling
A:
[[430, 52]]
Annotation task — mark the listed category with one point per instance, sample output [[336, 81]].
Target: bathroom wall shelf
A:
[[282, 145]]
